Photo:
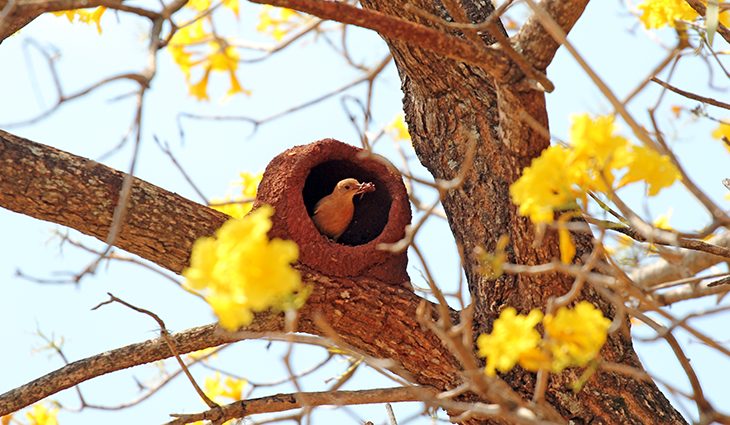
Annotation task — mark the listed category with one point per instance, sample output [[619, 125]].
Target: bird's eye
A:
[[347, 187]]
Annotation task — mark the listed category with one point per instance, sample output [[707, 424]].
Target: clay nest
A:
[[296, 179]]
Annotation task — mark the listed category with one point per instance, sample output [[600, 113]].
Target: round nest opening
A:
[[371, 209]]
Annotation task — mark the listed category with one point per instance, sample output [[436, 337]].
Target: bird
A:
[[333, 213]]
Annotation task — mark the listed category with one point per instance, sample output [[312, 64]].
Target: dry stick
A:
[[165, 148], [257, 122], [494, 61], [165, 334], [702, 404], [693, 244], [690, 95], [283, 402]]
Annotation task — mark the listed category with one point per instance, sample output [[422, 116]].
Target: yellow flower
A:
[[512, 337], [596, 150], [575, 336], [194, 47], [196, 355], [241, 271], [85, 16], [646, 164], [199, 90], [662, 222], [240, 205], [398, 128], [660, 13], [565, 241], [231, 388], [277, 27], [561, 175], [41, 415], [722, 133], [545, 186]]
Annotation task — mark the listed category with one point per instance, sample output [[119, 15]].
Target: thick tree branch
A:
[[491, 59], [535, 42], [160, 226]]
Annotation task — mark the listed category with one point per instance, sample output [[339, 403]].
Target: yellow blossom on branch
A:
[[241, 271], [545, 186], [278, 21], [39, 414], [512, 336], [560, 176], [660, 13], [647, 165], [193, 47], [85, 16], [573, 338], [575, 335], [240, 204], [230, 388], [398, 129]]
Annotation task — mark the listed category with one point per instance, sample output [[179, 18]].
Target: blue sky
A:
[[214, 152]]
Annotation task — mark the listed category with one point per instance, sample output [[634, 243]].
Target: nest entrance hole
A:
[[371, 209]]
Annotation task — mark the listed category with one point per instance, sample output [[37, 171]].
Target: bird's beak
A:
[[365, 188]]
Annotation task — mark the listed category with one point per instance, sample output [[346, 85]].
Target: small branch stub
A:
[[299, 177]]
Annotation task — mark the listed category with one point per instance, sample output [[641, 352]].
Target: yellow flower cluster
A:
[[660, 13], [398, 129], [240, 271], [239, 205], [573, 337], [194, 47], [42, 415], [230, 388], [561, 175], [85, 16], [278, 21]]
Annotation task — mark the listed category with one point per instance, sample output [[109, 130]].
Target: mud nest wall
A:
[[299, 177]]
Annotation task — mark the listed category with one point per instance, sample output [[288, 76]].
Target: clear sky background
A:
[[213, 153]]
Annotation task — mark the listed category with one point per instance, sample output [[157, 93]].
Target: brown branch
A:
[[165, 334], [691, 263], [535, 42], [121, 358], [691, 95], [283, 402], [492, 60]]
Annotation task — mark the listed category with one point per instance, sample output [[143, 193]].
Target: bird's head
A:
[[351, 187]]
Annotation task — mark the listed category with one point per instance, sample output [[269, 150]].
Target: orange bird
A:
[[333, 213]]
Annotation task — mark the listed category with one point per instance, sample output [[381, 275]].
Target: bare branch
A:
[[283, 402]]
